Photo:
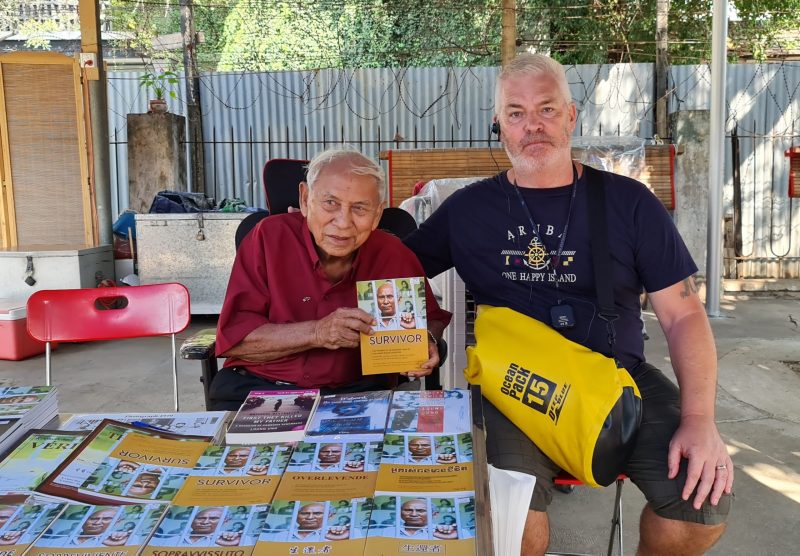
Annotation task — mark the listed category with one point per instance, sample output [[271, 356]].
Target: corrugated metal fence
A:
[[249, 118]]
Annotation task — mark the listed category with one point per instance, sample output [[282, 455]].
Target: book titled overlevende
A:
[[268, 417], [399, 341]]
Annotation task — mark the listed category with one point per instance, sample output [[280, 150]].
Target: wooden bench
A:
[[407, 167]]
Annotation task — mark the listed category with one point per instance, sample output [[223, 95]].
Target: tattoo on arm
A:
[[689, 288]]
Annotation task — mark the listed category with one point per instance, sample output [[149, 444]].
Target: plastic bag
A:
[[180, 202]]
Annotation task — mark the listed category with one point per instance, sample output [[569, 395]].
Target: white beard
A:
[[555, 154]]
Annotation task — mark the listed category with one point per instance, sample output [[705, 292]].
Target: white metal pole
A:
[[716, 159]]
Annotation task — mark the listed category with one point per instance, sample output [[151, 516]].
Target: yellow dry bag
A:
[[575, 404]]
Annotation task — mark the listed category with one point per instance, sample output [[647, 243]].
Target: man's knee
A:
[[536, 536], [660, 535]]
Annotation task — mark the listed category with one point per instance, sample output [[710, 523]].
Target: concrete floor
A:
[[758, 412]]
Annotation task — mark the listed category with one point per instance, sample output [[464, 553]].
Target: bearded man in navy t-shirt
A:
[[521, 240]]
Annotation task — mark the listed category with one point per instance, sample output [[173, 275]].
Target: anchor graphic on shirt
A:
[[536, 254]]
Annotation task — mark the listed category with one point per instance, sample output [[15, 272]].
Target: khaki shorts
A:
[[508, 448]]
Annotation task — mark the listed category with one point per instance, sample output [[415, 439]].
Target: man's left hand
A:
[[710, 469], [428, 366]]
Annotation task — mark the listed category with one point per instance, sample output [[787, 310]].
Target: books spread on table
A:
[[200, 423], [83, 530], [23, 408], [267, 417], [315, 526], [426, 463], [354, 413], [23, 518], [118, 463], [36, 455], [399, 341], [438, 523], [433, 411]]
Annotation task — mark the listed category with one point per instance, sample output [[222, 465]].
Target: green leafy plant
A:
[[161, 83]]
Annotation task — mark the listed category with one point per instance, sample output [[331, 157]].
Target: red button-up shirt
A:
[[277, 278]]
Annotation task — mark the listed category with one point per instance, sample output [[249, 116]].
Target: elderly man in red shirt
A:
[[290, 318]]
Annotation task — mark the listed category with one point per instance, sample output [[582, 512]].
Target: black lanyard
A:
[[534, 229]]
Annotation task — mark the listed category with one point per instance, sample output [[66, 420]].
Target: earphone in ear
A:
[[496, 128]]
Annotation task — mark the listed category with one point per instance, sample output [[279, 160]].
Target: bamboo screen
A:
[[407, 167], [44, 151]]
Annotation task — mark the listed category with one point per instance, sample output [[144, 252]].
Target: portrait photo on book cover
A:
[[396, 303], [132, 479], [317, 521], [354, 456], [102, 526], [23, 523], [427, 449], [207, 526], [264, 459], [423, 516]]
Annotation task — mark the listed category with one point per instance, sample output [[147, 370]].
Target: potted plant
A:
[[162, 85]]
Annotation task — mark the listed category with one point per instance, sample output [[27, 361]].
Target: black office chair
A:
[[282, 177]]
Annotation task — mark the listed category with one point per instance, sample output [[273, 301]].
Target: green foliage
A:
[[38, 33], [161, 83], [765, 25], [274, 35]]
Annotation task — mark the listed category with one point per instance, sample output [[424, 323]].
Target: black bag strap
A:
[[601, 259]]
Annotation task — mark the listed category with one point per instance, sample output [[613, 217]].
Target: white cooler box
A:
[[55, 267], [194, 249]]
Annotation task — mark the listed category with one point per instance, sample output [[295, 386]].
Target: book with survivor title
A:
[[399, 342]]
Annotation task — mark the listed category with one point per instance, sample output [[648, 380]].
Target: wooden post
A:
[[662, 69], [508, 38], [194, 118], [94, 78]]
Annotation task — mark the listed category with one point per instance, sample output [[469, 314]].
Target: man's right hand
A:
[[341, 328]]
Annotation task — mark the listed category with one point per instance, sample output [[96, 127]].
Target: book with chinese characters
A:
[[85, 530], [269, 417], [399, 341], [315, 525], [23, 518], [353, 413], [36, 455], [439, 523], [430, 411], [121, 463]]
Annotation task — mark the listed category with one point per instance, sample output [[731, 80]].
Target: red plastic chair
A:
[[565, 479], [88, 315]]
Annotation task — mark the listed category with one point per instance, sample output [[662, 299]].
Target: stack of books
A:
[[424, 497], [23, 408]]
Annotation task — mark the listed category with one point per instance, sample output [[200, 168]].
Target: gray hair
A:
[[533, 65], [360, 165]]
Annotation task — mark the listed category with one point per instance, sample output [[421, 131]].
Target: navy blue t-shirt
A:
[[485, 233]]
